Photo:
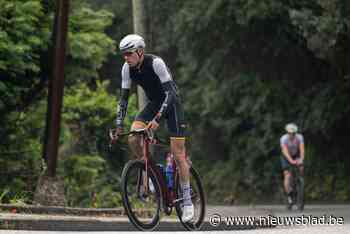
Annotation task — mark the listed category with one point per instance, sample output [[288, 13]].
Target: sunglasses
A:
[[128, 53]]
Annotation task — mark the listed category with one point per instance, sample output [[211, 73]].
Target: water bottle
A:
[[169, 171]]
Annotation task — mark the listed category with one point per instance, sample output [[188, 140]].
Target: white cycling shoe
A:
[[187, 213]]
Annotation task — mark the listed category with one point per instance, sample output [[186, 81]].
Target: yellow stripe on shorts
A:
[[178, 138]]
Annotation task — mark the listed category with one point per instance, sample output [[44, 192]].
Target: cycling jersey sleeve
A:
[[300, 138], [168, 85], [124, 95], [126, 80], [122, 107], [284, 140]]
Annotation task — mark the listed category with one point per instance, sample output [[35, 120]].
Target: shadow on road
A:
[[93, 225]]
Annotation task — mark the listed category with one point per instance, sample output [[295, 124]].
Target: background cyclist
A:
[[292, 146]]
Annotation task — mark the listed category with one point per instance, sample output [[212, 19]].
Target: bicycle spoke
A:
[[142, 201]]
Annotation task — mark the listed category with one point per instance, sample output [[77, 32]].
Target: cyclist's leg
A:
[[286, 174], [301, 169], [134, 140], [177, 145], [140, 122], [177, 126], [286, 181], [300, 188]]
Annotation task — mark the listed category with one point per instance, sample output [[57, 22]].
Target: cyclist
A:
[[292, 146], [151, 73]]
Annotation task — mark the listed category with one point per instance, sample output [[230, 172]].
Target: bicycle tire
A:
[[194, 180], [132, 214], [292, 189], [300, 193]]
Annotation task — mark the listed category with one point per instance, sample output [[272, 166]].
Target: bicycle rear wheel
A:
[[198, 200], [142, 207], [300, 193]]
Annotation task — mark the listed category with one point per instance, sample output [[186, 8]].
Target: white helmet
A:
[[291, 128], [131, 42]]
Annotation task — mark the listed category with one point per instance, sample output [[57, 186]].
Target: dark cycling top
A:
[[150, 76], [155, 79]]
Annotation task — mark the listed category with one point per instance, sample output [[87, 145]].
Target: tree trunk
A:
[[50, 190], [139, 18]]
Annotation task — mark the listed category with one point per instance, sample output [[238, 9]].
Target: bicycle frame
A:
[[148, 139], [168, 197]]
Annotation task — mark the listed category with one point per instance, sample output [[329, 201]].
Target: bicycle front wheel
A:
[[198, 200], [142, 205]]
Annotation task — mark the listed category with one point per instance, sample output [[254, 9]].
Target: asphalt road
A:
[[318, 219]]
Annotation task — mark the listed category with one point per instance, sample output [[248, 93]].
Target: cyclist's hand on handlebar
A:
[[119, 130], [114, 134], [299, 162], [153, 125], [293, 162]]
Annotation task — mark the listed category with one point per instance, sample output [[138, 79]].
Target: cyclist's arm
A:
[[122, 107], [302, 151], [302, 148], [124, 95], [286, 153], [170, 96], [168, 86]]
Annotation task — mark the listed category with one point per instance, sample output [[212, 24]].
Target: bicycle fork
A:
[[143, 178]]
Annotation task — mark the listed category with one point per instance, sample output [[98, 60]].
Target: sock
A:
[[186, 191]]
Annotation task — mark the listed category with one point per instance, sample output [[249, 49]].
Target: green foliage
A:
[[21, 40], [21, 153], [25, 30], [88, 44], [3, 194], [248, 68], [88, 107], [87, 164], [81, 173], [244, 69]]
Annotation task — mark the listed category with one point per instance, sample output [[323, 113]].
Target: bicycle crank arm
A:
[[181, 199]]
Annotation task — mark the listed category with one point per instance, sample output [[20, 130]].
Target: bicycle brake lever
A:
[[150, 133]]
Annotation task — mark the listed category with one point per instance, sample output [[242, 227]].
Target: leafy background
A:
[[244, 69]]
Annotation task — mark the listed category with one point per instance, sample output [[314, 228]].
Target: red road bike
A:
[[145, 192]]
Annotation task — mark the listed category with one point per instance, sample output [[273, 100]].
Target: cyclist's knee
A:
[[135, 140], [286, 174], [178, 149], [138, 125], [301, 170], [177, 146]]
